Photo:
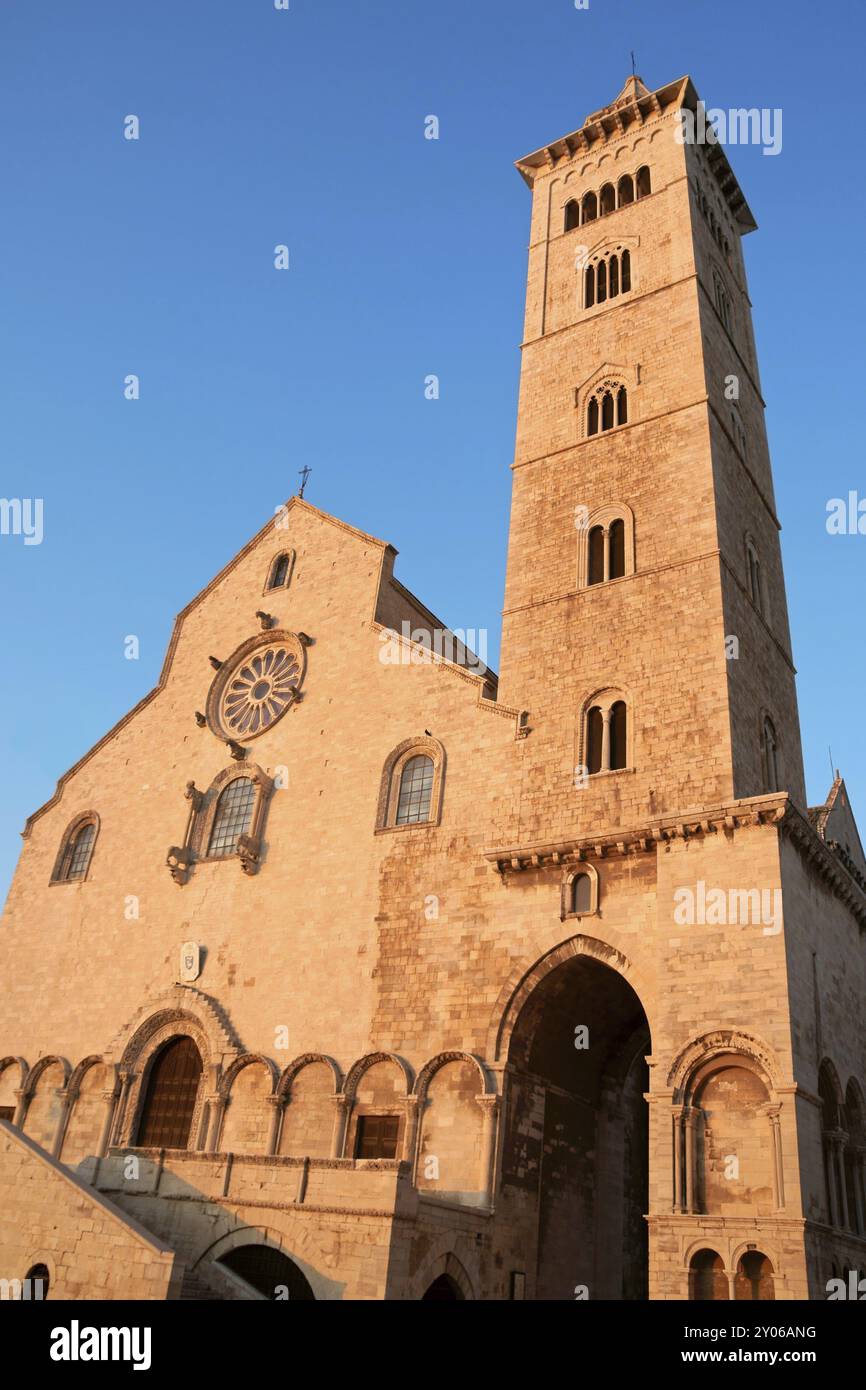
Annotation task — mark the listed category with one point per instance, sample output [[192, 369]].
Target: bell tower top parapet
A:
[[635, 107]]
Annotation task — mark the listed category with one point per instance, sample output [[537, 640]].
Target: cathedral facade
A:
[[342, 968]]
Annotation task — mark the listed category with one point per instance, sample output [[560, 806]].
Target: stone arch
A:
[[247, 1115], [377, 1090], [306, 1092], [183, 1012], [302, 1241], [444, 1264], [605, 517], [87, 1087], [718, 1043], [524, 979], [827, 1071], [307, 1059], [13, 1076], [248, 1059], [575, 1115], [190, 1010], [46, 1103], [429, 1069], [451, 1160], [357, 1070]]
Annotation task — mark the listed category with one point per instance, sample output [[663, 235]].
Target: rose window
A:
[[259, 691]]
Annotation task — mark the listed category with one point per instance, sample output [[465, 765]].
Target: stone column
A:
[[126, 1079], [217, 1104], [487, 1170], [605, 740], [342, 1108], [67, 1099], [278, 1105], [109, 1099], [410, 1134], [772, 1113], [678, 1157], [606, 536], [23, 1098], [840, 1140], [689, 1120], [859, 1185]]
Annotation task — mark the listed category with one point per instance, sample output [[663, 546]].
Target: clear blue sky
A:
[[408, 257]]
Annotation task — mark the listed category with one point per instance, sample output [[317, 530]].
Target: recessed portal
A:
[[577, 1131]]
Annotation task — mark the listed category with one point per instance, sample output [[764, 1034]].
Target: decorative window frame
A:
[[270, 588], [389, 787], [69, 834], [604, 517], [273, 637], [583, 867], [609, 374], [602, 251], [606, 697], [723, 303], [614, 180], [181, 859]]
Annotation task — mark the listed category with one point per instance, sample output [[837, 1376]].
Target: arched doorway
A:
[[172, 1091], [269, 1271], [708, 1282], [36, 1281], [443, 1290], [576, 1130], [754, 1277]]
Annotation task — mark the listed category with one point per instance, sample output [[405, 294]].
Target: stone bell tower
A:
[[661, 789], [644, 557]]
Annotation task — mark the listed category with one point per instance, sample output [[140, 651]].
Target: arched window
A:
[[613, 277], [234, 815], [170, 1099], [723, 303], [601, 282], [625, 190], [596, 556], [708, 1282], [754, 1277], [278, 575], [588, 208], [770, 755], [606, 545], [625, 278], [618, 751], [416, 787], [606, 407], [607, 200], [38, 1278], [581, 894], [643, 182], [617, 549], [76, 851], [831, 1131], [605, 738], [756, 580], [854, 1148], [594, 730], [410, 793], [572, 215], [589, 287]]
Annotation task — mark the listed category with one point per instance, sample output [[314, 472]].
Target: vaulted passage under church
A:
[[575, 1159]]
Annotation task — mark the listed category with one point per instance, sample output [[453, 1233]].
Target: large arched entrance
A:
[[269, 1271], [172, 1090], [576, 1137], [443, 1290]]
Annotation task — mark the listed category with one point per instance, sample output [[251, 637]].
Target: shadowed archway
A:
[[576, 1134]]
